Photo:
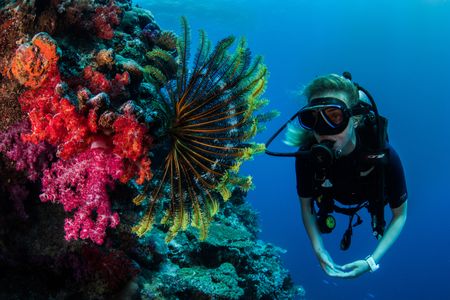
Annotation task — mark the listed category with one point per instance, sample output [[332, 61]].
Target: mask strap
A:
[[288, 154]]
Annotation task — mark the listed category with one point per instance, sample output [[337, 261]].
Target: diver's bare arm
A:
[[309, 221], [392, 232], [325, 260]]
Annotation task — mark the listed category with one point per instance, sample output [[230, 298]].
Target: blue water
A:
[[400, 51]]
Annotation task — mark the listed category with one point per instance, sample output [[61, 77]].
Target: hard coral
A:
[[106, 121], [103, 272], [32, 61], [80, 184]]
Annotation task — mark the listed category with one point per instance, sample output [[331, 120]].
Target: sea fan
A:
[[208, 114]]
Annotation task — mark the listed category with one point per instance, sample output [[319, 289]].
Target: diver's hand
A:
[[355, 269], [328, 265]]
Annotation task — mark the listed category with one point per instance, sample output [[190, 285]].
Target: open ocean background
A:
[[400, 51]]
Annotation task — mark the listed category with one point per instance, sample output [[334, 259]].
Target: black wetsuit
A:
[[352, 185]]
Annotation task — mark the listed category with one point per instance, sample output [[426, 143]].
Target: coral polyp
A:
[[209, 117]]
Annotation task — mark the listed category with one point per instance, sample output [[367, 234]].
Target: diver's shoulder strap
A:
[[368, 132], [374, 138]]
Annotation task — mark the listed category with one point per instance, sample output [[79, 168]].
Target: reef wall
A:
[[120, 156]]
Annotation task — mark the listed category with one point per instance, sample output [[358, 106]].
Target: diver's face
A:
[[345, 140]]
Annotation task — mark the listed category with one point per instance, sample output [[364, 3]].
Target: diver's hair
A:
[[296, 135], [332, 83]]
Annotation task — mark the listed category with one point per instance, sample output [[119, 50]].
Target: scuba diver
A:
[[345, 163]]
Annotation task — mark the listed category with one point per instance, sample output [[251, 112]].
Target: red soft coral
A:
[[97, 82], [80, 185], [104, 19], [118, 85], [38, 98], [56, 120], [132, 143]]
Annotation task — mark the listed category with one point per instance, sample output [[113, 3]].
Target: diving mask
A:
[[326, 116]]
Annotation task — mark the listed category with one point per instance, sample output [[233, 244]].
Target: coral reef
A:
[[99, 104], [229, 264]]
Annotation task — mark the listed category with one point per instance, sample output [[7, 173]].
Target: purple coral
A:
[[29, 157], [150, 33], [81, 184]]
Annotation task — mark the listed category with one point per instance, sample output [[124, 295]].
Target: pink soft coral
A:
[[28, 157], [80, 185]]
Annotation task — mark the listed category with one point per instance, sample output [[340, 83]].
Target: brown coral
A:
[[47, 21], [167, 41], [14, 25], [133, 68], [32, 60], [105, 57], [10, 112]]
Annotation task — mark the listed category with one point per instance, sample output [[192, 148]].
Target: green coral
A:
[[227, 236], [220, 283], [162, 67]]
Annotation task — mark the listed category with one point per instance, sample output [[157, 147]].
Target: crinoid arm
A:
[[212, 109]]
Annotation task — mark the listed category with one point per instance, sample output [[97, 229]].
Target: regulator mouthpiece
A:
[[323, 153]]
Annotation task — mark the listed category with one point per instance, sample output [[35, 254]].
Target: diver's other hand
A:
[[328, 265], [355, 269]]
